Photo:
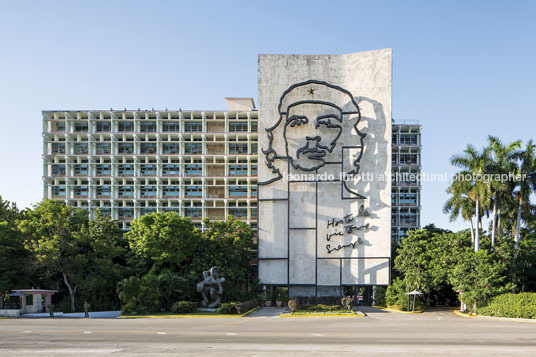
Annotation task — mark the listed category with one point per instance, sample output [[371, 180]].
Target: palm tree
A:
[[170, 284], [474, 163], [502, 161], [460, 203], [527, 166]]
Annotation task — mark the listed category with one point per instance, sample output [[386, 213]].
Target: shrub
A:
[[522, 305], [396, 294], [128, 308], [293, 304], [379, 296], [347, 302], [322, 307], [281, 294], [184, 307], [227, 308], [243, 307]]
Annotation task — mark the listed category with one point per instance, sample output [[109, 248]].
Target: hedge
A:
[[237, 307], [522, 305], [184, 307]]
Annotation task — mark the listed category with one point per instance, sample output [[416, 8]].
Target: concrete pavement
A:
[[380, 333]]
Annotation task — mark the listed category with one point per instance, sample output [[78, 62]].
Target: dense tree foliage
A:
[[148, 269]]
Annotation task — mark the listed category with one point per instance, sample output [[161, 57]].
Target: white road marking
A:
[[87, 331], [230, 334], [162, 333], [26, 331], [316, 334]]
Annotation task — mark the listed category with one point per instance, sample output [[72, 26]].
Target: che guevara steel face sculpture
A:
[[327, 122]]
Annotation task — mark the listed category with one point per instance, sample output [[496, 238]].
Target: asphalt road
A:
[[380, 333]]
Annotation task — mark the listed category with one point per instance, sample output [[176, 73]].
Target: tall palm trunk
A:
[[499, 232], [518, 224], [472, 233], [477, 232], [493, 221]]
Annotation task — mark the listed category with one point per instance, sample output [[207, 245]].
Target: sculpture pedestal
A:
[[207, 309]]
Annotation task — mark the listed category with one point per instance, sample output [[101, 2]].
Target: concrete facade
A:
[[324, 120], [127, 163]]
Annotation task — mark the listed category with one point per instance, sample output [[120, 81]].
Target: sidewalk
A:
[[94, 315]]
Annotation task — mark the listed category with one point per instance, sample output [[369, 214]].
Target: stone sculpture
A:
[[210, 288]]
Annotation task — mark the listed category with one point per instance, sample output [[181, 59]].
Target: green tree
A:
[[474, 163], [227, 244], [105, 250], [526, 188], [479, 276], [53, 236], [15, 270], [163, 240], [171, 285], [502, 161]]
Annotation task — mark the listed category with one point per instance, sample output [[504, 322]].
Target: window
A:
[[193, 148], [193, 126], [408, 198], [148, 148], [253, 149], [253, 169], [148, 127], [172, 126], [103, 148], [238, 148], [80, 191], [106, 211], [104, 126], [127, 126], [193, 191], [148, 191], [58, 191], [408, 139], [171, 148], [125, 213], [193, 212], [59, 126], [235, 191], [103, 170], [410, 159], [125, 148], [238, 170], [126, 169], [170, 169], [58, 170], [80, 148], [126, 191], [80, 127], [148, 170], [145, 211], [80, 170], [171, 191], [193, 169], [239, 126], [104, 191], [238, 211], [254, 191], [253, 126], [58, 148]]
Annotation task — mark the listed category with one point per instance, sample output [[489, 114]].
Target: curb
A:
[[510, 319], [399, 311]]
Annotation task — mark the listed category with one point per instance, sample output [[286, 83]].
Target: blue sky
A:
[[463, 69]]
